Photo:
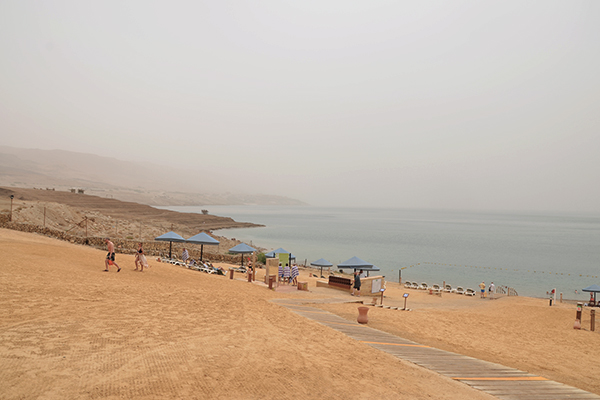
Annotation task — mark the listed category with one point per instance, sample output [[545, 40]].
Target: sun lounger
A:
[[448, 289], [460, 290], [436, 288], [469, 292], [407, 284], [423, 286], [414, 285]]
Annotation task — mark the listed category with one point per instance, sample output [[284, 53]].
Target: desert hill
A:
[[145, 183], [81, 214]]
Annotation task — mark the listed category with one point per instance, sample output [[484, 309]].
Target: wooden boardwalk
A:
[[495, 379]]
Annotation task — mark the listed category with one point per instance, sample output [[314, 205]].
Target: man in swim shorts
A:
[[110, 257], [482, 287]]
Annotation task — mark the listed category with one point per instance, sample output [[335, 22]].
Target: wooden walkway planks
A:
[[495, 379]]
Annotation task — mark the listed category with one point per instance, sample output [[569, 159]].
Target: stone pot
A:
[[362, 315]]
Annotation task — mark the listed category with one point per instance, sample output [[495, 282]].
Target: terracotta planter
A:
[[362, 315]]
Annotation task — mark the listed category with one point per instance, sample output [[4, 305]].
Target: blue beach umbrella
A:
[[170, 237], [321, 262], [202, 239], [242, 249], [593, 289], [356, 263], [273, 254]]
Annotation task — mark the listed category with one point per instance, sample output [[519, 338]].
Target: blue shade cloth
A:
[[202, 238], [273, 254], [593, 288], [321, 262], [242, 248], [170, 237], [355, 262]]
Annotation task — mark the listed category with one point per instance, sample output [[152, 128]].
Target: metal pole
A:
[[12, 196], [593, 321], [45, 217]]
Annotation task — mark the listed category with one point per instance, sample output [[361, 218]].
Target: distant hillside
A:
[[123, 180]]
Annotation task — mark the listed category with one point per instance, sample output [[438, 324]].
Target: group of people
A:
[[140, 258], [289, 275], [491, 290]]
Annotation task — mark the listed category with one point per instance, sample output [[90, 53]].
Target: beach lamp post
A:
[[12, 196], [405, 295]]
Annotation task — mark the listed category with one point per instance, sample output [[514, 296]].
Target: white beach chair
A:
[[423, 286], [469, 292], [436, 288], [407, 284], [414, 285], [460, 290], [448, 289]]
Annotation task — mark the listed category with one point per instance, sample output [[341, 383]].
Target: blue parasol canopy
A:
[[170, 237], [242, 248], [355, 263], [321, 262], [202, 239], [273, 254]]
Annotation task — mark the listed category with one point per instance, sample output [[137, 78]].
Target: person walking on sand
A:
[[110, 257], [140, 258], [482, 287], [356, 287]]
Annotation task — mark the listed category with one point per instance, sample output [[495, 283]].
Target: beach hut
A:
[[242, 249], [593, 289], [321, 262], [202, 239], [170, 237]]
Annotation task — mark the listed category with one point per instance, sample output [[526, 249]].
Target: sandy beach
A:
[[70, 330]]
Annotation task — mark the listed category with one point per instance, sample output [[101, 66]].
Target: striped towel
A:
[[286, 271], [295, 272], [185, 255]]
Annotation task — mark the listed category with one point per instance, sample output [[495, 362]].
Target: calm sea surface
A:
[[532, 253]]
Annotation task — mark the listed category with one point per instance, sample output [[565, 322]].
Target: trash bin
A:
[[231, 274], [550, 301], [271, 281]]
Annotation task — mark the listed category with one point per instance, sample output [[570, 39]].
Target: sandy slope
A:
[[69, 330]]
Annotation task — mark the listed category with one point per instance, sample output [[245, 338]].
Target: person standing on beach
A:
[[482, 287], [356, 287], [286, 274], [491, 290], [185, 255], [295, 274], [110, 257]]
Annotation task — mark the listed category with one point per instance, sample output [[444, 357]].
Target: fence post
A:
[[593, 320]]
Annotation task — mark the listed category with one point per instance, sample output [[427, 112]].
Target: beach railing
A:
[[506, 290]]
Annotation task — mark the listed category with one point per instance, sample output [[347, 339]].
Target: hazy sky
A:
[[446, 104]]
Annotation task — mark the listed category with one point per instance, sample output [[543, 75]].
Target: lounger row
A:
[[437, 288]]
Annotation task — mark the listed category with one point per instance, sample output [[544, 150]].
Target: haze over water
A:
[[531, 252]]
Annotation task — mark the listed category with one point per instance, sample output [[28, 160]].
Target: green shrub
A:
[[261, 258]]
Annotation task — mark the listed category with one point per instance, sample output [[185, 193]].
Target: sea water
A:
[[532, 253]]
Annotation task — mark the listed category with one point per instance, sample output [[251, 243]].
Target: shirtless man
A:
[[110, 257]]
